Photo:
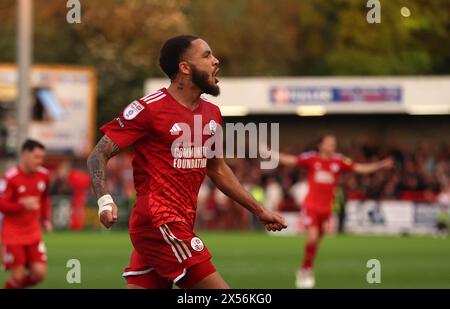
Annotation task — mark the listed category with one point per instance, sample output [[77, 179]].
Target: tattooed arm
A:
[[96, 163]]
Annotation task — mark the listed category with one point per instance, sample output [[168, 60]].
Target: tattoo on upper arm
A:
[[107, 147], [103, 151]]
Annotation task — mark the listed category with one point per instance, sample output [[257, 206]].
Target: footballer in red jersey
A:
[[323, 170], [25, 205], [173, 132]]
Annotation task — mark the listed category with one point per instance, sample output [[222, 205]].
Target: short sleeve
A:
[[6, 195], [5, 188], [347, 164], [305, 159], [132, 124]]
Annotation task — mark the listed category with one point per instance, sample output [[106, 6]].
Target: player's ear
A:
[[184, 67]]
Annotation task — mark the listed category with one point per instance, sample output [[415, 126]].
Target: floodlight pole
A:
[[24, 52]]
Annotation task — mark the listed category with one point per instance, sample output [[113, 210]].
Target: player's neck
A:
[[185, 93], [325, 155], [24, 169]]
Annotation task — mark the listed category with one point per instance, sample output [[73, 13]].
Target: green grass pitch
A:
[[257, 260]]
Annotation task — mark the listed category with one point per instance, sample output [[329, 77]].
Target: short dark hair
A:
[[324, 135], [30, 145], [172, 52], [318, 140]]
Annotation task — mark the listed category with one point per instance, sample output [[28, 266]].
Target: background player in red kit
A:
[[25, 204], [169, 166], [323, 169]]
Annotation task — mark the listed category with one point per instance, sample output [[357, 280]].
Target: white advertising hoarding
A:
[[317, 96], [377, 217], [392, 217], [63, 106]]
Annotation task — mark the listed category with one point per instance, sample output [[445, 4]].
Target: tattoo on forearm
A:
[[96, 163]]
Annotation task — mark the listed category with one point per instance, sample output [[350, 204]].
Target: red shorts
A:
[[315, 218], [169, 254], [24, 255]]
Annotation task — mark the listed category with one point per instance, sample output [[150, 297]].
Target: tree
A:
[[250, 37], [122, 38]]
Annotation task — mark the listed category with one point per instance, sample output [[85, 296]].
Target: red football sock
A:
[[310, 254], [11, 284], [29, 281]]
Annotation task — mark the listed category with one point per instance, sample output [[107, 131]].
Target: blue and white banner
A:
[[297, 95], [329, 95]]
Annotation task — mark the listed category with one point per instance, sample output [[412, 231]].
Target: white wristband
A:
[[104, 203]]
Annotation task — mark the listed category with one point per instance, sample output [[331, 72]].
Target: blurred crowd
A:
[[421, 174]]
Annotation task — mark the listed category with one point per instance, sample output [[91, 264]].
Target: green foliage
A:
[[121, 38]]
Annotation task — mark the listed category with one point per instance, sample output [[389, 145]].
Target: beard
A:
[[201, 80]]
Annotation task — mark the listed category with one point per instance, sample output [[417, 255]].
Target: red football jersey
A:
[[323, 175], [21, 226], [167, 178]]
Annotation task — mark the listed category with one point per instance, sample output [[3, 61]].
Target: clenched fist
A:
[[109, 217], [271, 220]]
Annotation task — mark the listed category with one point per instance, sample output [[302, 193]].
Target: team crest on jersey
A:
[[3, 185], [317, 165], [197, 244], [334, 167], [41, 186], [132, 110], [21, 189], [213, 127]]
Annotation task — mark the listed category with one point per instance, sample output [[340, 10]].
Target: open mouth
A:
[[214, 75]]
